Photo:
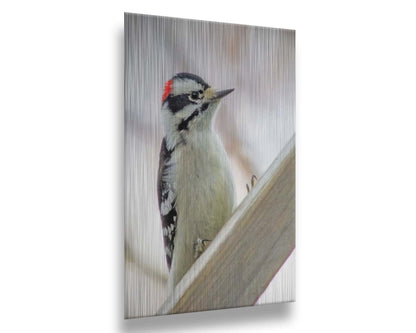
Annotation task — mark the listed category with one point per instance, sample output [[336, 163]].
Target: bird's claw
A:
[[199, 246], [252, 182]]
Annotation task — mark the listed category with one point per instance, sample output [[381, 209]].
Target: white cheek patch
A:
[[186, 111]]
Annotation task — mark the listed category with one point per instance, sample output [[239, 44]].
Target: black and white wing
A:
[[167, 199]]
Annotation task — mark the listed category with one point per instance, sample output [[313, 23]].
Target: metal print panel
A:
[[209, 165]]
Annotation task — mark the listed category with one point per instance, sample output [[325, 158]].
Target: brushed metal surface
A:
[[254, 123]]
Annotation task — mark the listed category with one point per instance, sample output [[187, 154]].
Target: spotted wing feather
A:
[[167, 200]]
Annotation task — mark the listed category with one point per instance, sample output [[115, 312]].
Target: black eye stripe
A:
[[178, 102]]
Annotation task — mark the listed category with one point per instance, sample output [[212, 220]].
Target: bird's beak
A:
[[212, 95], [222, 93]]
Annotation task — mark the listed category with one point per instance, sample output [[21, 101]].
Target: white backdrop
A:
[[61, 146]]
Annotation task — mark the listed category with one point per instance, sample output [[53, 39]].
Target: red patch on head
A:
[[168, 89]]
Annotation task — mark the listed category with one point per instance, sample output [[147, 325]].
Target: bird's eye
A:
[[194, 95]]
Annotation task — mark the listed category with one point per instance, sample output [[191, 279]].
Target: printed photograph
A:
[[209, 114]]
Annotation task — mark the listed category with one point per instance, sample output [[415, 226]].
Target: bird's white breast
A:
[[205, 194]]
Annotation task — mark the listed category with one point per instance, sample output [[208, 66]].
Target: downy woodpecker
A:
[[195, 184]]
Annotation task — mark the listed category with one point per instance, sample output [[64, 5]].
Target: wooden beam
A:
[[249, 250]]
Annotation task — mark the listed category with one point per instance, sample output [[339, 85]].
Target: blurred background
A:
[[254, 122]]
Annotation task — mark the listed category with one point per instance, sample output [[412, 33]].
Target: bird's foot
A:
[[199, 246], [252, 182]]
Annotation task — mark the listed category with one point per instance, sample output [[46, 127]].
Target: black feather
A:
[[178, 102], [164, 191], [194, 77], [183, 125]]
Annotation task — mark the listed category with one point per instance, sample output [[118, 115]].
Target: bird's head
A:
[[189, 104]]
